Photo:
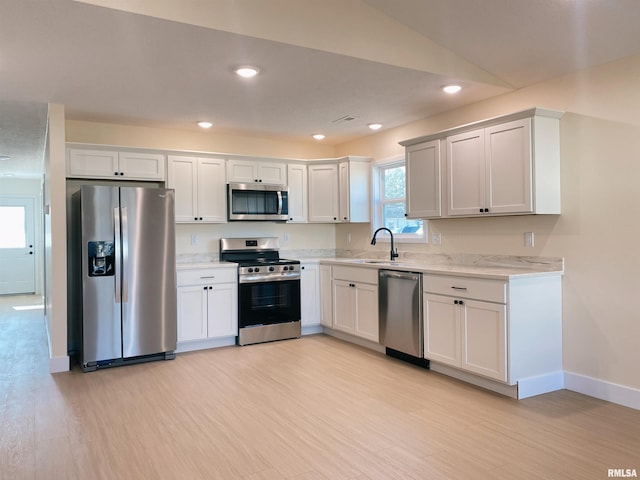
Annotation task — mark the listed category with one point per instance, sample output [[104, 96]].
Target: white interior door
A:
[[17, 247]]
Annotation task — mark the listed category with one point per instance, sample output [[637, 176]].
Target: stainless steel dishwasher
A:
[[400, 314]]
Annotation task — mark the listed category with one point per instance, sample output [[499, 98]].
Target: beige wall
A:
[[597, 233], [55, 223]]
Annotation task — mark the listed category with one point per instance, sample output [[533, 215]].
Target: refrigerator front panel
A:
[[149, 308], [101, 318]]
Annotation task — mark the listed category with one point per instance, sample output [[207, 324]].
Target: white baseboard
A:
[[194, 345], [356, 340], [611, 392], [59, 364], [311, 329], [532, 386]]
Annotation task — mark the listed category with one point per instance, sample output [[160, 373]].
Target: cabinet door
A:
[[310, 294], [222, 312], [92, 163], [423, 166], [323, 193], [212, 190], [326, 297], [509, 165], [367, 311], [441, 329], [466, 173], [182, 177], [297, 175], [243, 171], [192, 312], [142, 166], [272, 173], [484, 339], [344, 306], [343, 194]]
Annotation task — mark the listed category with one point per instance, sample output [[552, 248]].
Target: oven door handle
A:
[[279, 193], [277, 277]]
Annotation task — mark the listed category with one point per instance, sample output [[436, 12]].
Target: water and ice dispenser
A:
[[102, 259]]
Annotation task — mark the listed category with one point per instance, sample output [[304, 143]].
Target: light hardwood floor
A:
[[308, 409]]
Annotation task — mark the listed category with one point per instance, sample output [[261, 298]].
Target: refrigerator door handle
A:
[[125, 256], [116, 223]]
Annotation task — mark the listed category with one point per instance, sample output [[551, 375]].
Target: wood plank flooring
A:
[[310, 409]]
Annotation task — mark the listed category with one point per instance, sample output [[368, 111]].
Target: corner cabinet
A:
[[112, 165], [207, 307], [200, 188], [507, 165], [340, 191]]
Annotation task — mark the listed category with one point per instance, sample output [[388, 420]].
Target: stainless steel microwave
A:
[[248, 201]]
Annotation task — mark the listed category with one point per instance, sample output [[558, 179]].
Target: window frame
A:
[[377, 207]]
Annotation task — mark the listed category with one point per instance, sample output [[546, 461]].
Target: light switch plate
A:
[[436, 238], [529, 240]]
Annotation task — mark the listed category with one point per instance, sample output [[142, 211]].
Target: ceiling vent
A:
[[345, 119]]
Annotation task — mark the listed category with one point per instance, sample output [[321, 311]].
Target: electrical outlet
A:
[[286, 237], [436, 238], [194, 240], [529, 240], [349, 238]]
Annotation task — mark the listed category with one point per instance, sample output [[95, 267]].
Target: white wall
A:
[[598, 230], [55, 241]]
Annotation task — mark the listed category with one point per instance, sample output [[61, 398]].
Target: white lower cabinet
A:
[[326, 296], [355, 302], [207, 306], [309, 294], [466, 334]]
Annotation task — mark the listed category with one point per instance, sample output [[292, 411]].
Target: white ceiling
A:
[[116, 66]]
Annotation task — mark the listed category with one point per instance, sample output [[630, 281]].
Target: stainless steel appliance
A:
[[256, 201], [125, 237], [400, 314], [268, 289]]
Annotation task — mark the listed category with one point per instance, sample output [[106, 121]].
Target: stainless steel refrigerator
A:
[[127, 304]]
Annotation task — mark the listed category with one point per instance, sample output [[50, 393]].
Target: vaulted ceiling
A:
[[169, 64]]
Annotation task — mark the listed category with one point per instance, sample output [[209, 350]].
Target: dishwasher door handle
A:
[[402, 276]]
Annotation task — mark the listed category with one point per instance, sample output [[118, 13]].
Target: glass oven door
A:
[[268, 303]]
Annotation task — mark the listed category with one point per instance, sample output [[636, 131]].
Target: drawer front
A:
[[207, 276], [355, 274], [464, 287]]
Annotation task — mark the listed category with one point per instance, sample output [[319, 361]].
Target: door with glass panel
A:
[[17, 252]]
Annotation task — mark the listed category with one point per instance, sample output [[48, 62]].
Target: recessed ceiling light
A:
[[318, 136], [374, 126], [247, 71], [205, 124], [451, 89]]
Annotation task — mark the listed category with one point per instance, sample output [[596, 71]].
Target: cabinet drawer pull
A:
[[210, 276], [464, 289]]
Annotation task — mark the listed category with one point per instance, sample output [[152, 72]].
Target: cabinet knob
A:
[[121, 173], [195, 218], [260, 180], [204, 288], [335, 218], [345, 218], [406, 214], [115, 173], [211, 288], [200, 218]]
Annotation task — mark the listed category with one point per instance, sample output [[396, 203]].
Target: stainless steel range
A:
[[268, 289]]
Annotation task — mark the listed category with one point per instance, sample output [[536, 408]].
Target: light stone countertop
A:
[[203, 265], [494, 272]]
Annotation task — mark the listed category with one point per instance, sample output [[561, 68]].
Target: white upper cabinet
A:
[[507, 165], [110, 164], [323, 193], [200, 188], [423, 166], [251, 171], [298, 192], [340, 192]]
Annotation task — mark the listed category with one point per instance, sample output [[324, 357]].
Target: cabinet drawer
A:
[[475, 288], [355, 274], [207, 276]]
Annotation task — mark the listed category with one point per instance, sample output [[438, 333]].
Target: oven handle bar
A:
[[272, 277]]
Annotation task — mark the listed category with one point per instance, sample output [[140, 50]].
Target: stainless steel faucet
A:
[[394, 253]]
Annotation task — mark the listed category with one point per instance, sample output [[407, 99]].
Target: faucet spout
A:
[[394, 252]]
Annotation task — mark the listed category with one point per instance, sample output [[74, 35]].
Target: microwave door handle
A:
[[279, 193]]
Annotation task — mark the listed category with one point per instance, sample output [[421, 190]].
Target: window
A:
[[390, 203]]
